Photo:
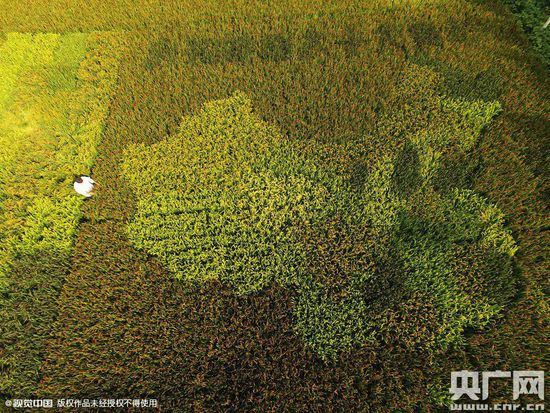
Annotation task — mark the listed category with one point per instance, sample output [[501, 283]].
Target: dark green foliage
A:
[[485, 85], [532, 15], [425, 34], [388, 36], [236, 48], [456, 171], [162, 52], [313, 42], [460, 84], [406, 176], [275, 47]]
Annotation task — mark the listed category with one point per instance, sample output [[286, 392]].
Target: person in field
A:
[[84, 185]]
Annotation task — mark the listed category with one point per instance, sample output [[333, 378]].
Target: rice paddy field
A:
[[302, 206]]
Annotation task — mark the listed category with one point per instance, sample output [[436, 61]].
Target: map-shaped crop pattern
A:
[[362, 236]]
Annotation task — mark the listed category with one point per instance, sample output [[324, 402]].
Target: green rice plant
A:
[[52, 108], [532, 15]]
